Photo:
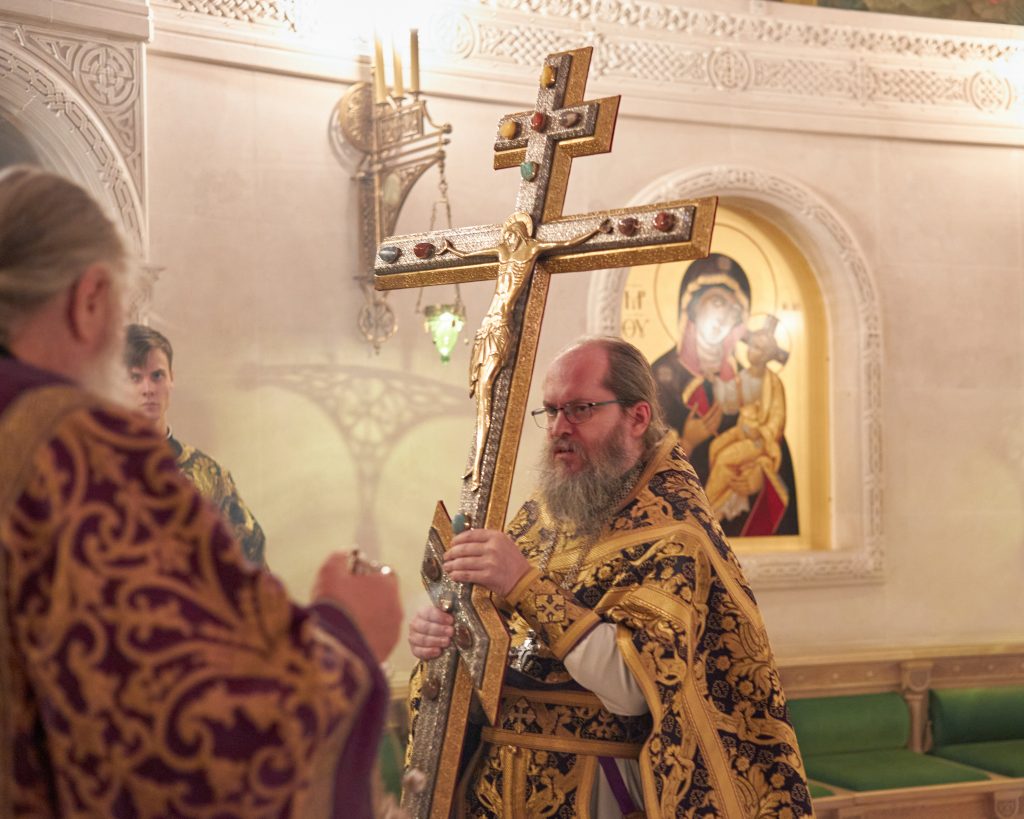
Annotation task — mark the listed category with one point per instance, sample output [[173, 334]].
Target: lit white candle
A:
[[380, 91], [399, 90], [414, 61]]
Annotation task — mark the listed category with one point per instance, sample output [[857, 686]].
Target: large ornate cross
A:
[[521, 254]]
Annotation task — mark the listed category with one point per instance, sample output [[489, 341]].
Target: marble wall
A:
[[255, 230], [251, 217]]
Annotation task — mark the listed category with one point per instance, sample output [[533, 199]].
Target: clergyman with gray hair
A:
[[640, 680], [147, 669]]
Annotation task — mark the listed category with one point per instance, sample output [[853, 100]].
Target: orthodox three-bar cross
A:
[[521, 254]]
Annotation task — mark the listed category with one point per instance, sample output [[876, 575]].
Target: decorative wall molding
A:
[[267, 12], [79, 101], [784, 67], [855, 343], [117, 19], [824, 674], [777, 65], [292, 37], [761, 25]]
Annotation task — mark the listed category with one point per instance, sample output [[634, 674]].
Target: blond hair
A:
[[51, 230]]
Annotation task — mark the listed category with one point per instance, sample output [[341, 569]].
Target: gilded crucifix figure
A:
[[517, 254], [520, 254]]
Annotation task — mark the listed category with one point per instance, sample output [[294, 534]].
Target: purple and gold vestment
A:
[[147, 669]]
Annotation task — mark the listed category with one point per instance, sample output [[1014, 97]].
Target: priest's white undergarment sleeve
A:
[[597, 665]]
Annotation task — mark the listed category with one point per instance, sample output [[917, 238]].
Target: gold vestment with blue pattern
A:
[[716, 742], [217, 486]]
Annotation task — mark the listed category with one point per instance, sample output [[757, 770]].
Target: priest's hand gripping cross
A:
[[521, 254]]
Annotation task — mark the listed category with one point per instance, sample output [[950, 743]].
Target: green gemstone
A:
[[528, 170]]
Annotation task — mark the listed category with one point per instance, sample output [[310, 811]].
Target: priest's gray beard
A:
[[583, 501], [105, 374]]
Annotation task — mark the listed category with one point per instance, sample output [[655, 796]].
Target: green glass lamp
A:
[[444, 322]]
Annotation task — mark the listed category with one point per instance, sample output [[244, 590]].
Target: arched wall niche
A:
[[78, 103], [855, 343], [14, 147]]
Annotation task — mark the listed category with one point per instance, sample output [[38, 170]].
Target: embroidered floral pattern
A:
[[717, 739], [155, 674], [549, 608]]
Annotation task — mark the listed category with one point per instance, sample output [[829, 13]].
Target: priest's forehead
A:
[[578, 373]]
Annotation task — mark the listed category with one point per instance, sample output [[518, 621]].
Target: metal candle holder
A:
[[399, 143]]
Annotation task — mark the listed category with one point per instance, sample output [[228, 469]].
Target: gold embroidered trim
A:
[[587, 767], [727, 574], [519, 589], [651, 599], [693, 702], [572, 635], [656, 462], [554, 613], [624, 640], [714, 754], [609, 546], [562, 745], [26, 425], [585, 699]]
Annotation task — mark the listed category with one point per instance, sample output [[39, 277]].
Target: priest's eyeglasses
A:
[[575, 412]]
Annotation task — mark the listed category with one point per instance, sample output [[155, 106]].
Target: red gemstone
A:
[[538, 121], [665, 221], [629, 226], [424, 250]]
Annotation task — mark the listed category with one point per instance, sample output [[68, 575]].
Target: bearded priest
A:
[[641, 682]]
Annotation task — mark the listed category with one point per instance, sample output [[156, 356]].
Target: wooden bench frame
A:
[[912, 672]]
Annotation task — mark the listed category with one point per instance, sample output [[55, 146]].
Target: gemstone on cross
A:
[[559, 127]]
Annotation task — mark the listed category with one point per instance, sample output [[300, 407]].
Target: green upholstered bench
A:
[[983, 727], [859, 743]]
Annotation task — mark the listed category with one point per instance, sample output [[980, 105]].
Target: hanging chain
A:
[[442, 201]]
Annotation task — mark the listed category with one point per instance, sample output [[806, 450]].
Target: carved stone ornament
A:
[[265, 12], [764, 59], [79, 103], [850, 293], [775, 61]]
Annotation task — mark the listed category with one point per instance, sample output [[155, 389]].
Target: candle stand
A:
[[399, 142]]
